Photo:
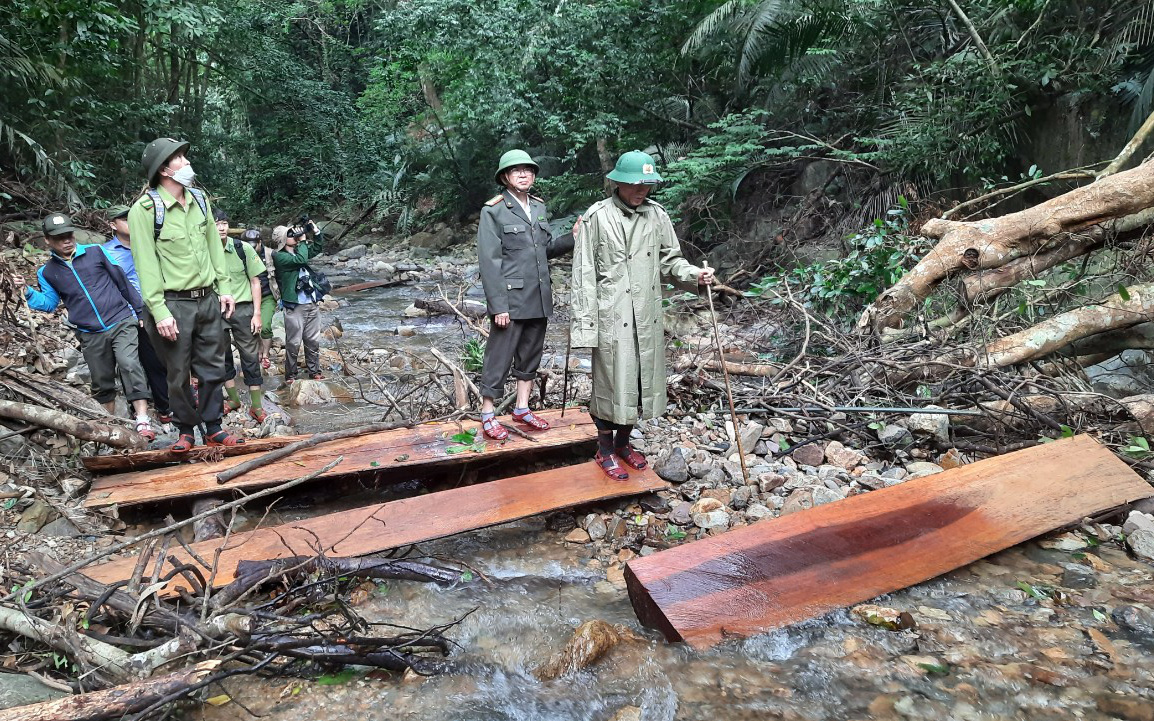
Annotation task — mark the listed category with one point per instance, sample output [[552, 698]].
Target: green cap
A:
[[512, 159], [157, 153], [635, 168], [117, 211], [58, 224]]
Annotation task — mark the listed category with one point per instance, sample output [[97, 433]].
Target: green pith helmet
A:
[[117, 211], [157, 153], [512, 159], [635, 168]]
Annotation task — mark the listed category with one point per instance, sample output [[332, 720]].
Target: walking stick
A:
[[728, 390], [565, 385]]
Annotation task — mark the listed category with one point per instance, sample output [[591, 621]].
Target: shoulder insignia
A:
[[145, 202], [494, 200]]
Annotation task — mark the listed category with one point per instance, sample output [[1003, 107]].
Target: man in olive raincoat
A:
[[625, 251]]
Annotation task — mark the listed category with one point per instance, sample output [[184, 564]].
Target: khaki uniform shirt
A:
[[238, 282]]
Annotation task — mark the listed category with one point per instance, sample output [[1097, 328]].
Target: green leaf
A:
[[336, 679], [454, 450], [467, 576], [1031, 590], [1123, 292], [465, 436], [1067, 432], [1099, 616], [374, 464], [936, 669]]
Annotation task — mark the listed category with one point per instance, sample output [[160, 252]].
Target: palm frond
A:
[[711, 23]]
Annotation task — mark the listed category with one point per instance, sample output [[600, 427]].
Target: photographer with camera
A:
[[301, 289]]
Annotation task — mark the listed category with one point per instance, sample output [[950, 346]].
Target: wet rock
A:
[[919, 469], [414, 312], [1128, 708], [1138, 622], [406, 331], [934, 425], [895, 436], [353, 253], [577, 535], [680, 515], [627, 713], [740, 497], [756, 512], [560, 522], [1141, 542], [1079, 577], [838, 455], [616, 527], [654, 503], [1137, 520], [712, 519], [595, 527], [799, 500], [808, 455], [310, 393], [822, 496], [19, 690], [588, 645], [673, 467]]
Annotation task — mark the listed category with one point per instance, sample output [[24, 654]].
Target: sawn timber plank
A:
[[378, 528], [781, 571], [422, 445], [123, 462]]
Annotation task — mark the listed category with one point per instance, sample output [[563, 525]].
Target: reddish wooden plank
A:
[[373, 529], [781, 571], [423, 445], [123, 462]]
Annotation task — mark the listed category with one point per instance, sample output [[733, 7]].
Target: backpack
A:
[[265, 289], [158, 207]]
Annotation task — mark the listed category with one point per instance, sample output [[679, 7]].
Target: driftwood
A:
[[355, 287], [87, 430], [440, 306], [113, 703]]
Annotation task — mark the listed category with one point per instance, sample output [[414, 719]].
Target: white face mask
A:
[[184, 176]]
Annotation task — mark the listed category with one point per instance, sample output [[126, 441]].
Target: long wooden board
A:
[[412, 520], [123, 462], [423, 445], [781, 571]]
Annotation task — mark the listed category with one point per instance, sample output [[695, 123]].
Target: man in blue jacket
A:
[[103, 307]]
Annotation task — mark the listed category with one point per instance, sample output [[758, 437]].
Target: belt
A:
[[187, 294]]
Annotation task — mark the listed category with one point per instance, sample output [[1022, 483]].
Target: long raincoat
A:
[[620, 259]]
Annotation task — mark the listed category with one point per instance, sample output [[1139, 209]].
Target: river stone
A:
[[1141, 542], [706, 505], [616, 528], [680, 514], [595, 527], [627, 713], [1138, 521], [700, 469], [692, 490], [414, 312], [822, 496], [654, 503], [353, 253], [740, 497], [895, 436], [750, 435], [1137, 621], [310, 393], [838, 455], [767, 482], [717, 475], [712, 519], [919, 469], [808, 455], [935, 425], [16, 689], [872, 481], [577, 535], [756, 512], [799, 500], [1079, 577], [673, 467]]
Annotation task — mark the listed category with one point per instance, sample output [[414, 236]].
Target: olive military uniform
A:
[[238, 328], [514, 247]]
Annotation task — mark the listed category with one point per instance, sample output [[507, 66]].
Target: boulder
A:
[[353, 253], [312, 393], [673, 467], [441, 237], [1141, 542], [1137, 521]]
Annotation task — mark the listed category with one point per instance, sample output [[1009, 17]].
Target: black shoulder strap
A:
[[198, 196], [239, 245]]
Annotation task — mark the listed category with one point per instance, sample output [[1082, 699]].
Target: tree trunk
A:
[[993, 243], [116, 436]]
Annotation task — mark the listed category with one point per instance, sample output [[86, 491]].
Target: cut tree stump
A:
[[423, 445], [789, 569], [385, 526]]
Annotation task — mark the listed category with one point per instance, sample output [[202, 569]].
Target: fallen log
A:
[[86, 430], [112, 703], [356, 287], [992, 243], [788, 569], [439, 306], [140, 460]]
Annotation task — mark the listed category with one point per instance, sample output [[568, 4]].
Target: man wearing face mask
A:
[[184, 281]]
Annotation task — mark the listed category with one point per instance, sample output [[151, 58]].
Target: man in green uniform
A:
[[244, 267], [299, 295], [514, 245], [180, 263], [624, 252]]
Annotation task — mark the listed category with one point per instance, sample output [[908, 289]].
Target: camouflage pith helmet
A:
[[157, 153], [512, 159], [635, 168]]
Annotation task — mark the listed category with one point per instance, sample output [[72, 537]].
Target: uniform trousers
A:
[[155, 370], [302, 322], [519, 345], [113, 353], [238, 332], [198, 349]]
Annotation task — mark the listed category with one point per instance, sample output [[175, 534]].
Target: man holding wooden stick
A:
[[620, 259]]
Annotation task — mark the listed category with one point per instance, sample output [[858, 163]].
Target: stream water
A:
[[983, 648]]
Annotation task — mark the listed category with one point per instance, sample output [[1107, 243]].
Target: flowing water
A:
[[983, 649]]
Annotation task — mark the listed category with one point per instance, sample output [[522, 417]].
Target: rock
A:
[[1065, 542], [706, 505], [740, 497], [750, 435], [918, 469], [887, 618], [895, 436], [720, 494], [673, 467], [756, 512], [823, 495], [616, 528], [441, 238], [1141, 542], [595, 527], [383, 268], [1079, 577], [627, 713], [353, 253], [872, 481], [1138, 622], [712, 519], [799, 500], [559, 522], [577, 535], [1136, 521], [767, 482], [589, 644], [61, 527], [1146, 505], [934, 425], [808, 455], [680, 514], [838, 455], [692, 490], [34, 517], [654, 503], [17, 689], [1128, 708], [311, 393], [718, 475], [700, 469], [414, 312]]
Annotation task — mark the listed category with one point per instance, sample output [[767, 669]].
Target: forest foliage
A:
[[333, 106]]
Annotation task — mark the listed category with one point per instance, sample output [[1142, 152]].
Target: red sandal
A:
[[257, 414], [632, 458], [533, 421], [184, 443], [609, 466], [224, 438], [493, 429]]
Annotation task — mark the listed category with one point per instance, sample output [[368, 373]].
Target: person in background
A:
[[119, 247], [622, 255], [268, 293], [104, 308], [299, 297], [243, 266]]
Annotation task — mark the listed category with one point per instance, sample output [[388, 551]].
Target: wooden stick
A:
[[113, 435], [728, 389]]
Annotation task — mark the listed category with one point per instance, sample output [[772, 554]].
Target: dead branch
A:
[[471, 309], [117, 436], [1130, 148]]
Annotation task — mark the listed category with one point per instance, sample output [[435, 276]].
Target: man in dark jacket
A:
[[104, 308]]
